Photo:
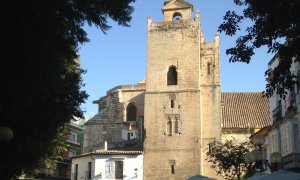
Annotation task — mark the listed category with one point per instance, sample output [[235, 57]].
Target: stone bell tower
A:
[[182, 99]]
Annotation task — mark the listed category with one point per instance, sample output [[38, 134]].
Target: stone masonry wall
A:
[[172, 134]]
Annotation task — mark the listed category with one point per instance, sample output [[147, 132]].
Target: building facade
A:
[[74, 139], [108, 165], [284, 136], [179, 108]]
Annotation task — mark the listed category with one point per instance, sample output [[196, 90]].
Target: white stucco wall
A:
[[82, 166], [132, 166]]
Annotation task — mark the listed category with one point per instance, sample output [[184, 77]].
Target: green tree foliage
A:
[[276, 25], [48, 163], [40, 73], [227, 158]]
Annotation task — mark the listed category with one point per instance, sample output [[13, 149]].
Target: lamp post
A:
[[276, 159], [256, 156]]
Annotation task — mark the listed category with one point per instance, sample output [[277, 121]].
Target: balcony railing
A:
[[291, 161], [61, 175], [277, 114], [73, 141]]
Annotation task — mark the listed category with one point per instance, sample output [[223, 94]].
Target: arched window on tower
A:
[[169, 127], [131, 112], [176, 129], [172, 76], [172, 103], [177, 16]]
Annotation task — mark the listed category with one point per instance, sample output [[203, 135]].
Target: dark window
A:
[[172, 76], [172, 165], [131, 112], [119, 169], [208, 68], [296, 137], [176, 125], [128, 136], [89, 173], [172, 169], [169, 127], [172, 103], [177, 16], [76, 172], [298, 81]]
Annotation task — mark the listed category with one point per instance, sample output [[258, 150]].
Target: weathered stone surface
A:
[[196, 114], [108, 124]]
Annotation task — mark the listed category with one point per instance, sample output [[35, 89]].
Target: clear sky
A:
[[119, 57]]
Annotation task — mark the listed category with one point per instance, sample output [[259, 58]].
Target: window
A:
[[172, 166], [298, 81], [119, 169], [169, 127], [76, 172], [131, 112], [172, 103], [176, 125], [172, 76], [89, 172], [73, 136], [177, 16], [173, 124], [285, 143], [296, 137], [172, 169], [114, 170], [273, 141], [128, 136], [109, 170], [208, 68]]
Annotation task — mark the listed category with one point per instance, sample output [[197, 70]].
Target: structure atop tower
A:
[[177, 9]]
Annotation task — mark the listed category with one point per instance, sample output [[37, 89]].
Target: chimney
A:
[[105, 145]]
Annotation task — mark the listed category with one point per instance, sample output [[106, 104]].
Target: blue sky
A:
[[119, 57]]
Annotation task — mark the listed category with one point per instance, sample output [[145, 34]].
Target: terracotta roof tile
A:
[[109, 152], [118, 152], [245, 110]]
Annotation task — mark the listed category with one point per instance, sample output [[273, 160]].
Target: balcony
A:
[[64, 175], [73, 141], [291, 162], [277, 115], [291, 107]]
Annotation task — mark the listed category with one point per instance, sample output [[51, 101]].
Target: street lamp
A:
[[259, 140], [275, 159], [256, 156]]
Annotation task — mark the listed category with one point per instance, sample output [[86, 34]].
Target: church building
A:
[[174, 113]]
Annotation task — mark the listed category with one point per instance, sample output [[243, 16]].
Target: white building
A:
[[284, 136], [108, 165]]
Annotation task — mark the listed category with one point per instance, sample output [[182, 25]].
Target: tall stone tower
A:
[[182, 99]]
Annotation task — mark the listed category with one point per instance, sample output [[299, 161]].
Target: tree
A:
[[228, 158], [48, 163], [276, 25], [40, 72]]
